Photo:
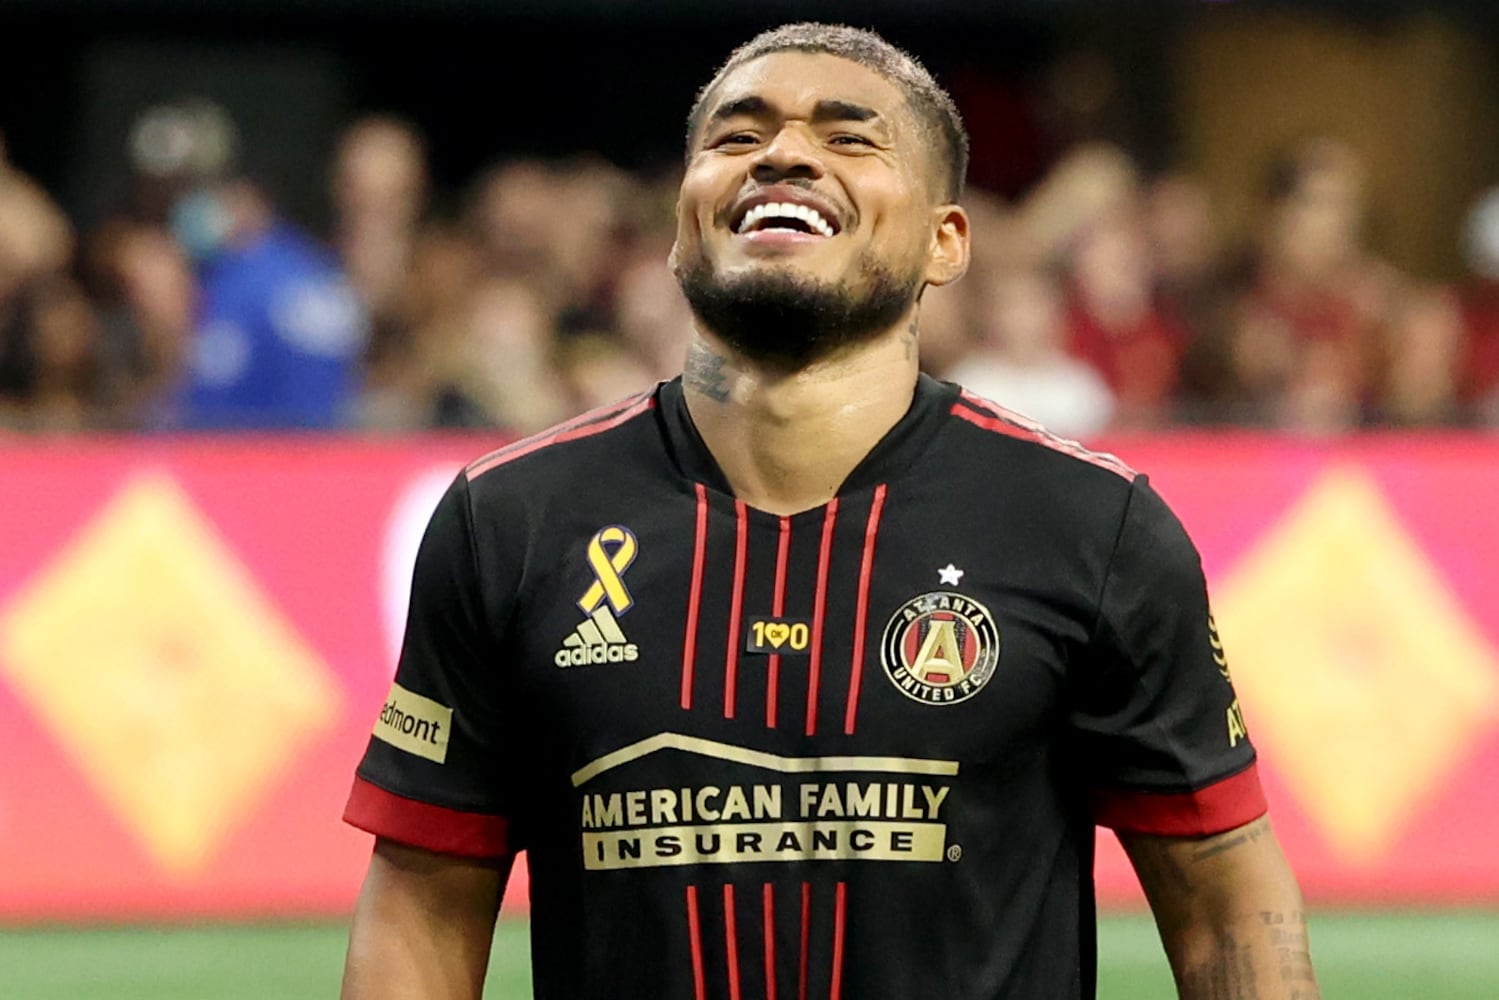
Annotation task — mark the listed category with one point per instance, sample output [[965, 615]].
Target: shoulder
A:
[[1019, 439], [572, 452]]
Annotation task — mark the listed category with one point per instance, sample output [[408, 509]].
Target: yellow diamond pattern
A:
[[1360, 673], [155, 661]]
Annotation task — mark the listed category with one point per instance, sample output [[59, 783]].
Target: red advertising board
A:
[[195, 636]]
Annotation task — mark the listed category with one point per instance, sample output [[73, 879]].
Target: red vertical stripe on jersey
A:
[[736, 604], [861, 609], [824, 556], [769, 906], [839, 907], [801, 980], [778, 605], [695, 593], [699, 987], [731, 940]]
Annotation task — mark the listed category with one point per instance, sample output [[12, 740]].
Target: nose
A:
[[790, 154]]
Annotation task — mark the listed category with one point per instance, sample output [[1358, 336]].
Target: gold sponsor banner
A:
[[416, 724], [737, 843]]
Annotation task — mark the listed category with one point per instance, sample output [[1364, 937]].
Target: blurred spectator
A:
[[505, 365], [379, 194], [1022, 363], [36, 244], [1116, 323], [514, 212], [36, 239], [70, 385], [1183, 235], [279, 331], [146, 295], [1306, 346], [1087, 217], [1096, 301], [1087, 184], [651, 313], [1191, 285], [1422, 351], [403, 271], [1186, 249], [596, 369], [413, 381], [1479, 302], [586, 253]]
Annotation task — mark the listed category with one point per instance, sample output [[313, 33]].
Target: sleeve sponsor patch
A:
[[415, 724]]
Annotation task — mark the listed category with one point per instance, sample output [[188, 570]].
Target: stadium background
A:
[[196, 628]]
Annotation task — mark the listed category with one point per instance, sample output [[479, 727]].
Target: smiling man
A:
[[804, 675]]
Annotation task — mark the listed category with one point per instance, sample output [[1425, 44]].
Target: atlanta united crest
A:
[[940, 648]]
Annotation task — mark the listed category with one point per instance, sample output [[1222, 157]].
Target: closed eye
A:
[[737, 139]]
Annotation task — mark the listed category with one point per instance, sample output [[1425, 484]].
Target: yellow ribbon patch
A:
[[608, 569]]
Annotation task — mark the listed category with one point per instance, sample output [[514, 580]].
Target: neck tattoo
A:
[[704, 374]]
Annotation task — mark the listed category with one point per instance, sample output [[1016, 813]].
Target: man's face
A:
[[807, 206]]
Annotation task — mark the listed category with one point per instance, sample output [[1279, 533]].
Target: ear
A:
[[948, 251], [674, 257]]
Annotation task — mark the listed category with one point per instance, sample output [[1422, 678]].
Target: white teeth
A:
[[785, 210]]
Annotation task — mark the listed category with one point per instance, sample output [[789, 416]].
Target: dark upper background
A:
[[497, 79]]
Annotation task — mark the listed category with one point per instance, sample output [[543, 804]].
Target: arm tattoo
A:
[[704, 374], [1257, 956], [1230, 973], [1287, 932], [1166, 866], [1247, 836], [1230, 976]]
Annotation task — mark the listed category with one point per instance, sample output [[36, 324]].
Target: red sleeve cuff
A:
[[419, 824], [1221, 806]]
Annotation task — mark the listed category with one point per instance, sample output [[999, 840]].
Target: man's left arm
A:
[[1162, 743], [1229, 912]]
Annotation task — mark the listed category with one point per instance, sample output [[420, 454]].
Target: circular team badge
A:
[[940, 648]]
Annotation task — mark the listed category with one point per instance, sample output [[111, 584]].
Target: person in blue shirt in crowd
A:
[[280, 331]]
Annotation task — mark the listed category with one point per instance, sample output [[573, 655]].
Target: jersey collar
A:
[[893, 455]]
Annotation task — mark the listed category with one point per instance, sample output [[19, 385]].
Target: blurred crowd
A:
[[1104, 299]]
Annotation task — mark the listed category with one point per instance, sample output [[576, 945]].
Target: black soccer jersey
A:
[[857, 752]]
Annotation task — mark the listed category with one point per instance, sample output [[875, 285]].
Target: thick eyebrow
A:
[[822, 111], [842, 111], [743, 106]]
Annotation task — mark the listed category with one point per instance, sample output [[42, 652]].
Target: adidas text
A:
[[579, 656]]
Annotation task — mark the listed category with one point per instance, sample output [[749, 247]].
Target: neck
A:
[[786, 440]]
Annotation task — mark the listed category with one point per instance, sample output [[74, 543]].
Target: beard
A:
[[775, 316]]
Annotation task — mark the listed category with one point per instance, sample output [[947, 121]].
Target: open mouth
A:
[[785, 217]]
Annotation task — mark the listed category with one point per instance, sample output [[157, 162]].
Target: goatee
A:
[[777, 317]]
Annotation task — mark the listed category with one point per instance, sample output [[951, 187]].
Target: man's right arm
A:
[[423, 925]]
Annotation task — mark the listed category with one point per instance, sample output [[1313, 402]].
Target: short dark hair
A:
[[933, 106]]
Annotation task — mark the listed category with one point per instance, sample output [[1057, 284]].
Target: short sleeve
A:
[[1160, 736], [430, 776]]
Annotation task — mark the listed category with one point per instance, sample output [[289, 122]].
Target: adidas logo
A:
[[597, 640]]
